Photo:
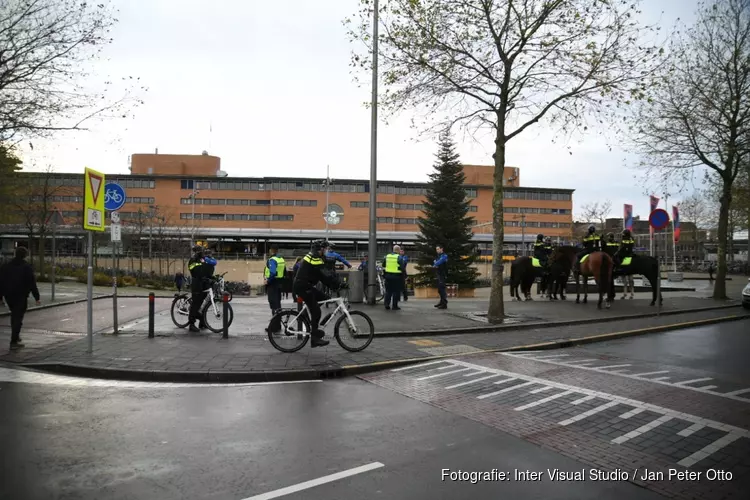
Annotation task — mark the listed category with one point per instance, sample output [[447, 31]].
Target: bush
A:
[[128, 281], [101, 279]]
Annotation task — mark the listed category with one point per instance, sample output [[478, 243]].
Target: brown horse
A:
[[599, 265]]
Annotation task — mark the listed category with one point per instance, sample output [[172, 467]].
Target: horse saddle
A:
[[535, 262], [583, 259]]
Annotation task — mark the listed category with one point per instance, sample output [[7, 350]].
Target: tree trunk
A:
[[41, 254], [496, 312], [720, 286]]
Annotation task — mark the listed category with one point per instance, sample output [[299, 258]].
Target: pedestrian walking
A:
[[16, 282], [404, 262], [179, 281], [273, 275], [710, 273], [441, 271], [393, 278]]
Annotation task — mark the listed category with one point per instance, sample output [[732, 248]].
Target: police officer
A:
[[441, 270], [592, 242], [404, 276], [611, 246], [627, 244], [392, 268], [541, 250], [308, 275], [273, 277], [200, 272]]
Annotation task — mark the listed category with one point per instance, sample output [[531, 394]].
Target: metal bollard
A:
[[225, 315], [151, 298]]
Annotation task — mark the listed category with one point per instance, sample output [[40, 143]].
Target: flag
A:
[[654, 204], [627, 218], [676, 223]]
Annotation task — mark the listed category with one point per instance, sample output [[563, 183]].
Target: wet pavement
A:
[[326, 440]]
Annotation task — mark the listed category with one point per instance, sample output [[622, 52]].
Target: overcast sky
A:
[[272, 81]]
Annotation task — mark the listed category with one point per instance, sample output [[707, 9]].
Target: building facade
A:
[[189, 194]]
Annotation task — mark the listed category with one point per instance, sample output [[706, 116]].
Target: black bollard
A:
[[151, 298], [225, 315]]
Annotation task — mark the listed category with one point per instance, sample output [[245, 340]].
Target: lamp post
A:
[[523, 232], [192, 196], [372, 241], [327, 184]]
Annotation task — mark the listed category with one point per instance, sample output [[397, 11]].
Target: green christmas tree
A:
[[445, 221]]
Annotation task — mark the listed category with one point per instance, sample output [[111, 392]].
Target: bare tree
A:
[[503, 66], [698, 113], [45, 46], [597, 212], [10, 164]]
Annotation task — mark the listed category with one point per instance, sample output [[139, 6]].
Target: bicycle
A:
[[113, 195], [299, 335], [380, 290], [210, 312]]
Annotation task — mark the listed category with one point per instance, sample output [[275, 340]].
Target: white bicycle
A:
[[211, 310], [113, 195], [380, 290], [295, 327]]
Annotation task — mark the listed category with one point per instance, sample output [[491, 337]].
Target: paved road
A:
[[86, 439], [720, 349]]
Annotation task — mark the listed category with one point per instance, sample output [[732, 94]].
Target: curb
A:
[[224, 376], [548, 324], [59, 304]]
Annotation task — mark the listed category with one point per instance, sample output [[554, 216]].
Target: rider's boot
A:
[[317, 339], [193, 328]]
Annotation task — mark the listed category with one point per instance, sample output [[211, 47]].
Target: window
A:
[[139, 199], [473, 208], [409, 206], [186, 184], [515, 194], [385, 220], [471, 192], [296, 203], [385, 204], [359, 204], [405, 221]]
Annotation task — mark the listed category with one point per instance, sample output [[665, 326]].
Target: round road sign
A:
[[658, 219], [114, 196]]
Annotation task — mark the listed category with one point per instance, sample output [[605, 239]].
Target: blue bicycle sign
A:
[[114, 196]]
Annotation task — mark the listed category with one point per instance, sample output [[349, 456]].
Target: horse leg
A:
[[578, 293], [585, 289], [632, 286]]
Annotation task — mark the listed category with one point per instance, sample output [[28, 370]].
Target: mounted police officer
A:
[[610, 245], [592, 242], [273, 276], [627, 245], [200, 273], [543, 249]]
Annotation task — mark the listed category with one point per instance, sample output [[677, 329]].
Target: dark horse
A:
[[523, 273], [645, 265]]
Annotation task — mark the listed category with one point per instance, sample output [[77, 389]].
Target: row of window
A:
[[535, 210], [77, 181], [66, 199], [252, 217], [536, 195], [514, 223], [397, 206], [335, 187], [139, 199], [235, 201], [396, 220]]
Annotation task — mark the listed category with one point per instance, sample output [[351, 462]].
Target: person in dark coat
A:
[[16, 282], [179, 281]]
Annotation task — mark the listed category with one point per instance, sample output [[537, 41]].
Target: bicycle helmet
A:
[[548, 240], [610, 236], [197, 248], [539, 237], [319, 245], [626, 233]]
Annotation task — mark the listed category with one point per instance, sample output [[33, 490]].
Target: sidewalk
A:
[[247, 355]]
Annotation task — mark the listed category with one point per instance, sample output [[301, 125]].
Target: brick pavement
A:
[[209, 356], [607, 421]]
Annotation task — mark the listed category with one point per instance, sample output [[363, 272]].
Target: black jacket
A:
[[17, 281], [199, 272], [312, 269]]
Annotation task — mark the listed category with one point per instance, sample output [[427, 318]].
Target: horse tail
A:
[[513, 277], [604, 278]]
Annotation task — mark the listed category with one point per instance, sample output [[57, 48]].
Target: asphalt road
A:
[[720, 349], [119, 440]]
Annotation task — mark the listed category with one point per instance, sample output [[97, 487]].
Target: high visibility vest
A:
[[591, 237], [613, 244], [280, 267], [391, 263], [315, 261]]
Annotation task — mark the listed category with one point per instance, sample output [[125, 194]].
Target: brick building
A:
[[189, 194]]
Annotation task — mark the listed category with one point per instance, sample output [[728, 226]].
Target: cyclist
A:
[[200, 272], [310, 273], [210, 261], [331, 257]]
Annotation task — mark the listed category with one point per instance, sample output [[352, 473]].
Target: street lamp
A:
[[327, 184], [523, 231], [192, 196]]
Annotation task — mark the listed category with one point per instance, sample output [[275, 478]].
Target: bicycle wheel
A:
[[294, 334], [358, 335], [378, 293], [213, 318], [181, 310]]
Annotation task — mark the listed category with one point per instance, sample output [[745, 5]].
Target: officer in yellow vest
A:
[[273, 276], [392, 271], [610, 246]]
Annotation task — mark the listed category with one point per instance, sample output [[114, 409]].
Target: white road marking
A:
[[443, 374], [504, 380], [551, 356], [737, 393], [640, 430], [316, 482], [543, 389], [575, 361], [29, 377], [707, 387], [471, 381], [586, 414], [658, 380], [542, 401], [632, 412], [420, 365], [709, 449], [685, 382], [613, 366], [65, 319], [582, 400], [690, 430], [507, 389]]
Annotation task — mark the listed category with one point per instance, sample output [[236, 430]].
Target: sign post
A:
[[114, 199], [93, 220], [55, 220], [658, 220]]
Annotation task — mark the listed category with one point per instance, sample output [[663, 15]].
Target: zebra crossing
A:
[[679, 437], [725, 389]]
